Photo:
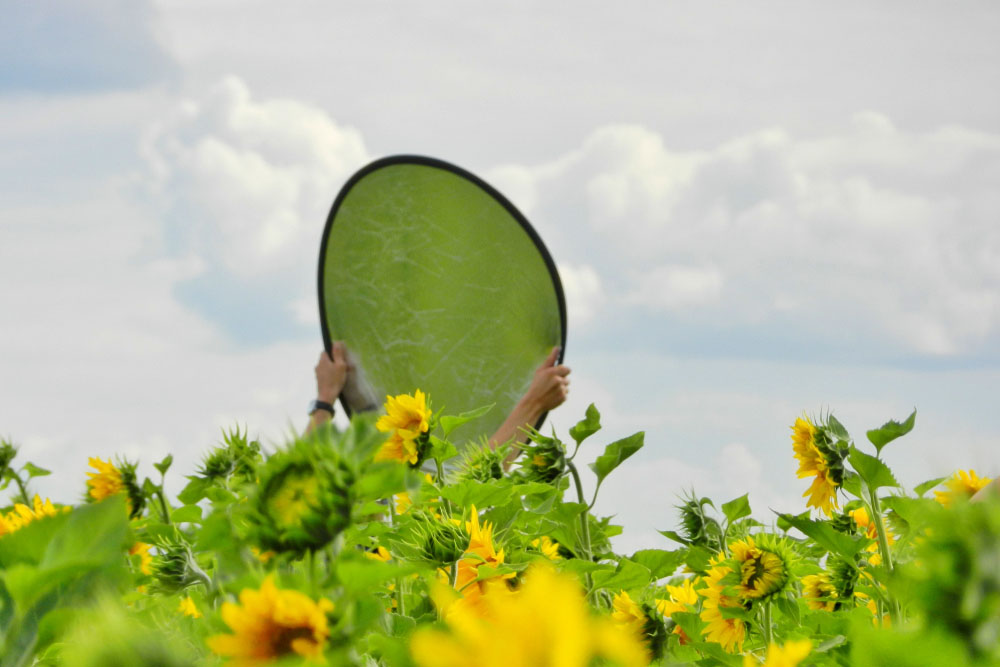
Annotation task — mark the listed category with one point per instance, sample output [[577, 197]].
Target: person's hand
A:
[[331, 373], [550, 386]]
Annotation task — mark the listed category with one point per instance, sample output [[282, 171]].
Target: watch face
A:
[[434, 281]]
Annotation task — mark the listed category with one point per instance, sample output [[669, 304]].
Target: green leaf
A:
[[164, 465], [825, 536], [627, 575], [851, 484], [737, 508], [615, 453], [218, 495], [381, 480], [35, 471], [587, 426], [697, 558], [660, 563], [788, 607], [889, 431], [837, 428], [784, 525], [442, 450], [872, 470], [363, 576], [194, 491], [673, 535], [921, 489], [449, 423], [186, 514], [95, 532]]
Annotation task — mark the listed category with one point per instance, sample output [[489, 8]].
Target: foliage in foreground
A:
[[381, 545]]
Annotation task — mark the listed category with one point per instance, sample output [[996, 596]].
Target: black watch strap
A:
[[320, 405]]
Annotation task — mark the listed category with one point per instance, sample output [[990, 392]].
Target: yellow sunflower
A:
[[145, 559], [822, 493], [963, 484], [730, 633], [682, 598], [546, 622], [628, 614], [407, 415], [482, 552], [548, 547], [398, 448], [271, 623], [819, 592], [763, 568], [106, 482], [788, 655], [22, 515], [188, 608], [860, 517]]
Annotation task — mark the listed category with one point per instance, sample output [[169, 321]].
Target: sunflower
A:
[[813, 462], [819, 592], [763, 566], [406, 415], [141, 549], [271, 623], [545, 622], [106, 482], [547, 546], [963, 484], [398, 448], [188, 608], [868, 527], [480, 551], [788, 655], [628, 614], [22, 515], [728, 632], [682, 598]]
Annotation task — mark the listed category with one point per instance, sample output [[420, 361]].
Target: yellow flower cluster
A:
[[271, 623], [823, 491], [406, 419], [963, 484], [22, 515], [546, 622]]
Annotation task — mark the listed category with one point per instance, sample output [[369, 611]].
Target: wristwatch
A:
[[320, 405]]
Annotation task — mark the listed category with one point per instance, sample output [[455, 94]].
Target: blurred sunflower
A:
[[963, 484], [682, 598], [141, 549], [480, 551], [819, 592], [106, 482], [868, 527], [788, 655], [270, 624], [730, 633], [22, 515]]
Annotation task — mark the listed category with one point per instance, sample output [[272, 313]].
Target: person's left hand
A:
[[331, 373]]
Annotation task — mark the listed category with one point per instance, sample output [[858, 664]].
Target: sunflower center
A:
[[295, 499], [287, 636]]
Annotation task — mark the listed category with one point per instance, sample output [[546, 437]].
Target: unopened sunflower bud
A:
[[441, 542]]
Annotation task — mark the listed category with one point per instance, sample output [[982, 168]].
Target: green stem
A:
[[400, 608], [584, 525], [163, 505], [24, 491], [768, 630], [453, 574], [895, 610], [440, 480]]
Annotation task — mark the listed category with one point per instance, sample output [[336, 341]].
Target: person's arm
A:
[[548, 390], [331, 374]]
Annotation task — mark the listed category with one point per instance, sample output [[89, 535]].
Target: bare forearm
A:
[[513, 429]]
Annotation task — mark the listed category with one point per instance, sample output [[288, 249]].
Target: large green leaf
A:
[[587, 426], [825, 536], [873, 471], [627, 575], [889, 431], [615, 453], [660, 563]]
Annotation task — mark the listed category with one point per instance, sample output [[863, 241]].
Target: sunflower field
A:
[[383, 545]]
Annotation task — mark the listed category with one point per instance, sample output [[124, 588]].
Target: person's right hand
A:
[[331, 373], [550, 386]]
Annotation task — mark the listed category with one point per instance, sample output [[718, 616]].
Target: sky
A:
[[757, 210]]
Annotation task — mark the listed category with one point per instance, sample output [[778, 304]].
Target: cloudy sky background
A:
[[757, 210]]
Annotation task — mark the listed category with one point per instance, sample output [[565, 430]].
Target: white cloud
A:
[[583, 292], [889, 233]]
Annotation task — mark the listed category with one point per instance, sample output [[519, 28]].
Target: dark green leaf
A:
[[889, 431], [825, 536], [615, 453], [737, 508], [872, 470], [673, 535], [35, 471], [790, 608], [449, 423], [587, 426], [784, 525]]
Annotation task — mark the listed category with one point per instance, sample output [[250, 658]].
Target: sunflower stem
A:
[[400, 608], [584, 521], [440, 481], [20, 485], [766, 625], [453, 574], [883, 546]]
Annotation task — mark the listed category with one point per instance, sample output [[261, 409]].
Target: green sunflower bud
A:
[[303, 499], [7, 453], [482, 463], [440, 542], [175, 567], [237, 457], [545, 460], [843, 578], [697, 527], [136, 497]]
